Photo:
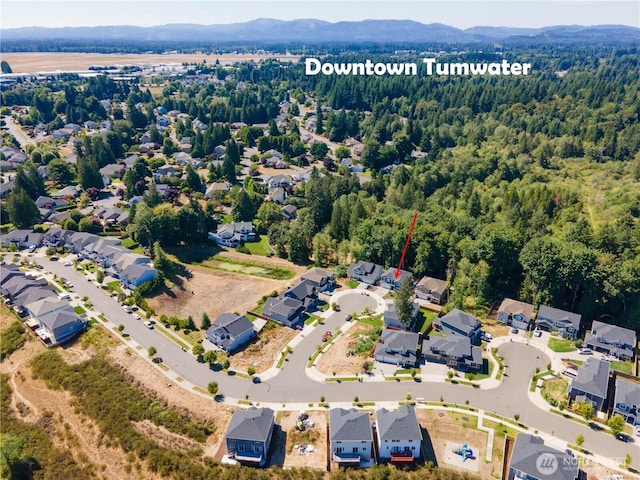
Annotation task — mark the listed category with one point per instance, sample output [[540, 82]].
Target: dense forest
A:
[[526, 187]]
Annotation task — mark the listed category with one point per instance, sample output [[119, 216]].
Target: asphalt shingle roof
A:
[[398, 425], [349, 425], [253, 424]]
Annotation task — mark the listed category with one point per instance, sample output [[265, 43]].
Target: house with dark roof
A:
[[612, 340], [50, 203], [391, 319], [21, 238], [454, 351], [287, 311], [552, 319], [365, 272], [350, 436], [531, 459], [591, 384], [322, 279], [59, 326], [626, 401], [432, 289], [397, 347], [457, 322], [390, 281], [230, 331], [232, 234], [249, 434], [515, 313], [68, 191], [306, 292], [290, 212], [399, 434]]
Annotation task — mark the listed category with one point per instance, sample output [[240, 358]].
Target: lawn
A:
[[352, 283], [561, 346], [129, 243], [487, 370], [115, 285], [621, 366], [373, 321], [555, 388], [259, 248], [79, 310], [426, 317]]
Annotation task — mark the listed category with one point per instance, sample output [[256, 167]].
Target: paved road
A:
[[16, 130], [292, 385]]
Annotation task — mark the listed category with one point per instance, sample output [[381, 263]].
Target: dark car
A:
[[157, 360]]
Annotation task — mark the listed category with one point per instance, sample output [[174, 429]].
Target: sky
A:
[[457, 13]]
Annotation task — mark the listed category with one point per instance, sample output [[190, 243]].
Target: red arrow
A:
[[406, 244]]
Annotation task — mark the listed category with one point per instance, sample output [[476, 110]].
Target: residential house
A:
[[616, 341], [21, 238], [232, 234], [290, 212], [17, 284], [322, 279], [127, 259], [248, 437], [109, 171], [399, 434], [287, 311], [306, 292], [526, 461], [432, 289], [277, 195], [591, 384], [135, 275], [68, 191], [391, 319], [515, 313], [59, 326], [398, 348], [365, 272], [61, 135], [457, 322], [217, 187], [49, 203], [230, 331], [7, 186], [627, 401], [350, 436], [455, 351], [279, 181], [552, 319], [165, 171], [390, 281]]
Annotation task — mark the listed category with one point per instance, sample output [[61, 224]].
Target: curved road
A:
[[292, 385]]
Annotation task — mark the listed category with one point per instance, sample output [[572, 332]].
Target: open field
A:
[[316, 436], [29, 62], [335, 358], [215, 291]]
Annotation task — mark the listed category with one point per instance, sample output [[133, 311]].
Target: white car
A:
[[537, 333], [126, 309], [67, 263], [136, 316], [585, 351], [149, 325]]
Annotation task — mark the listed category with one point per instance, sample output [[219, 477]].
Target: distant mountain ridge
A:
[[312, 30]]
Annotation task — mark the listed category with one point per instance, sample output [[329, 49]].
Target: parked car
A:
[[126, 309], [348, 317], [67, 263], [514, 330], [157, 360], [537, 333], [136, 316], [299, 327], [69, 285], [149, 325], [64, 296], [585, 351], [32, 248]]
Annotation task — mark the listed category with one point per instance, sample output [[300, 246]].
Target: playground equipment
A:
[[464, 451]]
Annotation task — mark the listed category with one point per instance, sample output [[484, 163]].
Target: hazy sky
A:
[[457, 13]]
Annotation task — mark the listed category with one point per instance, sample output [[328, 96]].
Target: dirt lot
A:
[[444, 426], [52, 61], [264, 350], [494, 328], [316, 436], [216, 292], [335, 358]]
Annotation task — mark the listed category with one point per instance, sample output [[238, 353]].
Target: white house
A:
[[351, 439], [398, 433]]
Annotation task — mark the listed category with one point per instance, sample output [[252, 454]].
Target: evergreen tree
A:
[[89, 173], [23, 211], [206, 322], [242, 209], [403, 302]]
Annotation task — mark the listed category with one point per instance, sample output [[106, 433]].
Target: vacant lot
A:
[[336, 359], [215, 291], [316, 436], [52, 61], [264, 350]]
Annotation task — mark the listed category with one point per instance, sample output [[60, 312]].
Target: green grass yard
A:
[[621, 366], [352, 283], [259, 248], [561, 346]]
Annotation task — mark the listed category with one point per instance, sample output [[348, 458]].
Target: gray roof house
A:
[[515, 313], [399, 434], [390, 281], [306, 292], [432, 289], [398, 348], [391, 319], [136, 274], [531, 459], [230, 331], [611, 339], [350, 436], [287, 311], [591, 384], [232, 234], [249, 434], [322, 279], [290, 212], [58, 326], [457, 322], [627, 401], [365, 272], [455, 351], [22, 238], [556, 320]]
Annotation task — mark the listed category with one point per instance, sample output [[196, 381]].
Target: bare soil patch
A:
[[495, 328], [264, 350], [6, 317], [336, 359], [29, 62], [444, 426], [216, 292], [316, 436]]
